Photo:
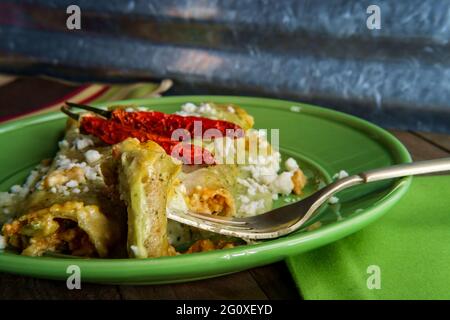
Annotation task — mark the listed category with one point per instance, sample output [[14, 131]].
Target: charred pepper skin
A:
[[111, 132], [164, 124]]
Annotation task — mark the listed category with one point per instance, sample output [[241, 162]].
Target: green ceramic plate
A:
[[324, 142]]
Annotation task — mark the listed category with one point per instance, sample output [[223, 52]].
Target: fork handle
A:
[[407, 169]]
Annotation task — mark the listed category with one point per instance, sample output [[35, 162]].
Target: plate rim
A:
[[232, 260]]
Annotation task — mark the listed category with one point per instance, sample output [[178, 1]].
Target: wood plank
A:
[[26, 288], [419, 148], [276, 281], [235, 286], [438, 139]]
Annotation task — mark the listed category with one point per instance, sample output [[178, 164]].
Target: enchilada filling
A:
[[210, 190], [69, 228], [205, 245], [211, 201]]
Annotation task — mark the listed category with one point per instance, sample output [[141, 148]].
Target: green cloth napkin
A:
[[410, 245]]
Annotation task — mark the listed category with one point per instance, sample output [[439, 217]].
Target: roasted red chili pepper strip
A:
[[164, 124], [112, 132]]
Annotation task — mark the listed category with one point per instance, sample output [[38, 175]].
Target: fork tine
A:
[[220, 225], [201, 223], [233, 231], [218, 219], [228, 227]]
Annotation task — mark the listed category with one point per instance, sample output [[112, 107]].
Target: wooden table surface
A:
[[268, 282]]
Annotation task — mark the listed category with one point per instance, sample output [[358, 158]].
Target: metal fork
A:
[[289, 218]]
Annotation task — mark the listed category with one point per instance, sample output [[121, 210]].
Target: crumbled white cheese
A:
[[90, 173], [9, 200], [267, 178], [189, 107], [296, 108], [205, 108], [20, 191], [283, 183], [76, 190], [135, 250], [6, 199], [72, 184], [244, 199], [333, 200], [32, 177], [264, 169], [185, 114], [83, 142], [341, 175], [129, 109], [16, 189], [92, 156], [63, 163], [252, 186], [291, 164], [231, 109], [63, 144], [252, 208], [82, 164], [2, 242]]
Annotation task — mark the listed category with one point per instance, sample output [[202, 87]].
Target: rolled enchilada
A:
[[146, 176], [70, 209]]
